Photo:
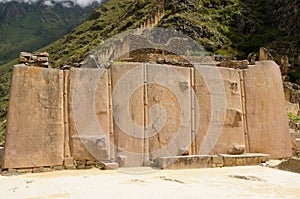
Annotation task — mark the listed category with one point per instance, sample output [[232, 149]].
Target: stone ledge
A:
[[207, 161], [185, 162], [69, 164], [244, 159]]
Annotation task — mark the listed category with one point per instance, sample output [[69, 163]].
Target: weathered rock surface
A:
[[35, 127], [237, 150], [86, 140], [267, 122]]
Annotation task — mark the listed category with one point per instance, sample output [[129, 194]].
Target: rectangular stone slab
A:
[[219, 107], [35, 127], [244, 159], [265, 109], [233, 129], [89, 114], [128, 113], [185, 162], [169, 110]]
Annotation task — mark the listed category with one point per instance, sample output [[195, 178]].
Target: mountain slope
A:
[[233, 27], [28, 27]]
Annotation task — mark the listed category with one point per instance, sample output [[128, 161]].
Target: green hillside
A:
[[233, 27], [28, 27]]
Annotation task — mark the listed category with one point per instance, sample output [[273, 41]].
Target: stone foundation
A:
[[202, 161]]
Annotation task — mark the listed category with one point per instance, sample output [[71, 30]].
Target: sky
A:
[[48, 2]]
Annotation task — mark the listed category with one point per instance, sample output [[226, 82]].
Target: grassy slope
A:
[[35, 26], [116, 16], [109, 19], [5, 76], [232, 27]]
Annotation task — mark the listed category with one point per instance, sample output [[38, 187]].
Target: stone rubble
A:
[[237, 150], [34, 59]]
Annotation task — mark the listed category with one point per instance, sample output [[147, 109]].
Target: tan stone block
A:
[[110, 165], [244, 159], [129, 129], [25, 54], [38, 170], [79, 150], [24, 170], [35, 127], [11, 170], [43, 54], [232, 131], [68, 161], [86, 140], [170, 88], [42, 59], [70, 167], [204, 106], [185, 162], [237, 149], [23, 59], [89, 166], [266, 114], [80, 166], [59, 167], [47, 169], [33, 58], [80, 162], [218, 160]]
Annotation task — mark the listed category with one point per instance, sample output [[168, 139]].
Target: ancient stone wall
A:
[[35, 59], [78, 117]]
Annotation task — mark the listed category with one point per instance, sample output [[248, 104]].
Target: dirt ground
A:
[[238, 182]]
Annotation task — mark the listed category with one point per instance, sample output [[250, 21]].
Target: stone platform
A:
[[211, 161]]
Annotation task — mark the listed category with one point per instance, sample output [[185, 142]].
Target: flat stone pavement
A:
[[232, 182]]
